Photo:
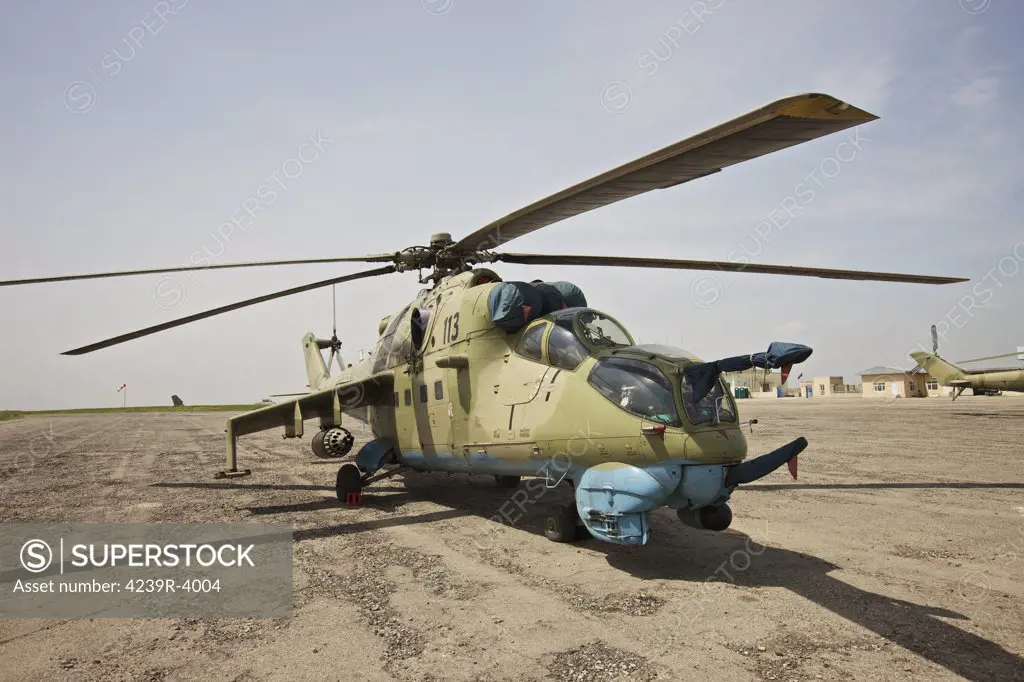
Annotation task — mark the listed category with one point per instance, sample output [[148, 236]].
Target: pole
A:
[[124, 404]]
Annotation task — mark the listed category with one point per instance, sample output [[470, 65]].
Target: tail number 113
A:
[[451, 328]]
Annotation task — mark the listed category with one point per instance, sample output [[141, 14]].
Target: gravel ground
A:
[[897, 555]]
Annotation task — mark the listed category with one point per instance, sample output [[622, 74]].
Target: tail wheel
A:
[[338, 441], [349, 485]]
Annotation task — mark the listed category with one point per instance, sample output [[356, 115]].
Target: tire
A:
[[507, 481], [561, 525], [349, 485]]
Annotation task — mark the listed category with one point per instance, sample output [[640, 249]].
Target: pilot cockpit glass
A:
[[564, 350], [531, 343], [598, 329]]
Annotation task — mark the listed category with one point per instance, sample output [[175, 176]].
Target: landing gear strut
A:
[[351, 481], [333, 442]]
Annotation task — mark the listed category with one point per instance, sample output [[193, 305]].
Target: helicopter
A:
[[960, 379], [524, 379]]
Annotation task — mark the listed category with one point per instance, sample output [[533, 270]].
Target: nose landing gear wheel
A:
[[349, 485], [565, 525]]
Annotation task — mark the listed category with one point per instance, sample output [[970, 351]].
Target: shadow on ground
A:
[[676, 552]]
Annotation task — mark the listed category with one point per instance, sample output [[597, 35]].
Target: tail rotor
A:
[[935, 349]]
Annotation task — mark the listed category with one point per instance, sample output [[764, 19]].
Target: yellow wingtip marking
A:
[[820, 106]]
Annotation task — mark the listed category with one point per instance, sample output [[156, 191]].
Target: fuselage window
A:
[[385, 356], [529, 345], [438, 390], [408, 397], [565, 351], [423, 393], [396, 398]]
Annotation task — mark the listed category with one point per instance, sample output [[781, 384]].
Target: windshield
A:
[[638, 387], [714, 408], [599, 330]]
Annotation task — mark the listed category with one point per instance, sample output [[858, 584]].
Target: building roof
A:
[[873, 371]]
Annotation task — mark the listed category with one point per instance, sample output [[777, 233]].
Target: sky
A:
[[132, 132]]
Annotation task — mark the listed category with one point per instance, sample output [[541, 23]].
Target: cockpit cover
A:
[[702, 376], [572, 294], [514, 304], [551, 297]]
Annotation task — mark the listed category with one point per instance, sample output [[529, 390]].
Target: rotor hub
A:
[[441, 240]]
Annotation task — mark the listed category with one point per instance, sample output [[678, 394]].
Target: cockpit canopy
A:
[[574, 334], [653, 390]]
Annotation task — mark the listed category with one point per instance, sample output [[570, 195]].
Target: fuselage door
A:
[[526, 367]]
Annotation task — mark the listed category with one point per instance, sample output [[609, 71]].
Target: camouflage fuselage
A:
[[466, 400]]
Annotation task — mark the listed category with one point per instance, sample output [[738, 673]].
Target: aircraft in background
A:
[[979, 380]]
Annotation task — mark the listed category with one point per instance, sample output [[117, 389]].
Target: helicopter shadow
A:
[[677, 552]]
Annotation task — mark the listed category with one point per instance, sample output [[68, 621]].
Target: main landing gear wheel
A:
[[507, 481], [332, 443], [349, 486], [565, 525]]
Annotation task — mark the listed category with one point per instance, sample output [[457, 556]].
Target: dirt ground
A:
[[897, 555]]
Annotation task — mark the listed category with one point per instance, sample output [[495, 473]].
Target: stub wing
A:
[[327, 404], [351, 398]]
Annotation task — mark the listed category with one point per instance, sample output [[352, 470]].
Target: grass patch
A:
[[150, 408]]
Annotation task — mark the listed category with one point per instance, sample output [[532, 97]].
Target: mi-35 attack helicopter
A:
[[519, 379], [960, 379]]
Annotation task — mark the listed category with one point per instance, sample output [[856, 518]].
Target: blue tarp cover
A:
[[702, 376], [551, 297], [512, 305], [572, 294]]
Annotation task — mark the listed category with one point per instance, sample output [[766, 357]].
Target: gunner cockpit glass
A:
[[600, 330], [638, 387], [715, 407]]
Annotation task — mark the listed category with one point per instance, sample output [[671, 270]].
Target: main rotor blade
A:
[[779, 125], [226, 308], [671, 264], [376, 258], [990, 357]]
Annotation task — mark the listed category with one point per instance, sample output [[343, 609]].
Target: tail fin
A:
[[939, 368], [316, 368]]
